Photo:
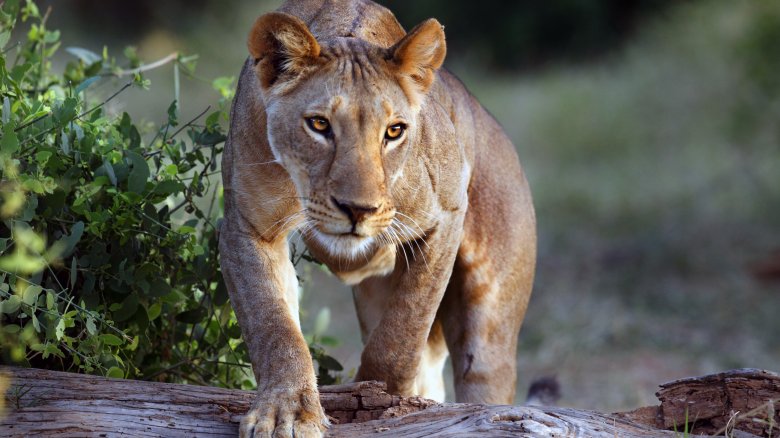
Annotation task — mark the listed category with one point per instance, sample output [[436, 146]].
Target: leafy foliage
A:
[[108, 240]]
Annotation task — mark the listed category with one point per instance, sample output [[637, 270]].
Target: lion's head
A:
[[342, 117]]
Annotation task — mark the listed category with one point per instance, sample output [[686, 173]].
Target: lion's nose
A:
[[355, 212]]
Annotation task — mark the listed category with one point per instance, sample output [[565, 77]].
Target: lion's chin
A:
[[347, 246]]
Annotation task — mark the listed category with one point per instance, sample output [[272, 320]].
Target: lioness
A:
[[345, 129]]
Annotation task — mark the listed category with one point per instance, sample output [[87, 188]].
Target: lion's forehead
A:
[[355, 58], [354, 105], [352, 64]]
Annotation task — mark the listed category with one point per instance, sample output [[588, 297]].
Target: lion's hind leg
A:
[[481, 314]]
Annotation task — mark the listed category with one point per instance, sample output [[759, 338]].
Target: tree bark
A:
[[745, 400], [40, 402]]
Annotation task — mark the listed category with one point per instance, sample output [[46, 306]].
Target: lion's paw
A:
[[285, 413]]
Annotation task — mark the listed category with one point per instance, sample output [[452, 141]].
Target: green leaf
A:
[[115, 372], [329, 341], [59, 330], [51, 37], [86, 83], [52, 349], [6, 111], [65, 143], [212, 120], [159, 287], [173, 118], [168, 187], [9, 144], [209, 138], [91, 329], [11, 328], [10, 305], [67, 111], [4, 37], [233, 331], [43, 156], [109, 339], [192, 316], [18, 72], [51, 300], [30, 295], [70, 241], [224, 85], [73, 272], [154, 311], [87, 56], [329, 363], [109, 171], [128, 308], [321, 322], [139, 175], [220, 295]]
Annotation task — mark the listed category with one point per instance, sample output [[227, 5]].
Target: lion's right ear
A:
[[281, 44]]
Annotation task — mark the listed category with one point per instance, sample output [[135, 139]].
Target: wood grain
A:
[[50, 403]]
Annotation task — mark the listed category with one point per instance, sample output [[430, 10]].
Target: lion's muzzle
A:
[[356, 213]]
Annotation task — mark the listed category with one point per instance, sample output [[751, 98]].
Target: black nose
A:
[[355, 212]]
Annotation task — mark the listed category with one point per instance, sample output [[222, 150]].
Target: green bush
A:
[[108, 240]]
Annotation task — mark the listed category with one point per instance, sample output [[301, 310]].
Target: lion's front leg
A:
[[261, 282], [395, 344]]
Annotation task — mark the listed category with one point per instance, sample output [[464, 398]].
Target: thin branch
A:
[[85, 113], [185, 126], [191, 121], [58, 296], [159, 63], [15, 45], [37, 119], [165, 370]]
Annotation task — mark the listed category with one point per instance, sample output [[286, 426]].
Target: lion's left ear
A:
[[281, 44], [417, 57]]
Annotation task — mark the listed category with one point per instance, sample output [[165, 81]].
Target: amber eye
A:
[[318, 124], [395, 131]]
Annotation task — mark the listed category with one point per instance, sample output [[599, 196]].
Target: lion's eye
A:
[[318, 124], [395, 131]]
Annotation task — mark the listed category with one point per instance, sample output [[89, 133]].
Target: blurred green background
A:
[[649, 131]]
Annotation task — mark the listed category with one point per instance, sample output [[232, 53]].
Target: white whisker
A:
[[411, 236], [399, 244], [258, 164]]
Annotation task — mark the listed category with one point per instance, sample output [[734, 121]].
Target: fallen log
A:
[[745, 400], [40, 402]]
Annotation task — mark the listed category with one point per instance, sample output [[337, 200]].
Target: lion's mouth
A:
[[351, 234], [347, 244]]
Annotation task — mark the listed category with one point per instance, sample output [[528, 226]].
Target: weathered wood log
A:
[[51, 403], [467, 420], [65, 404], [746, 400]]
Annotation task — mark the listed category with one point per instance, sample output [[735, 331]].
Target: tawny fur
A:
[[435, 230]]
